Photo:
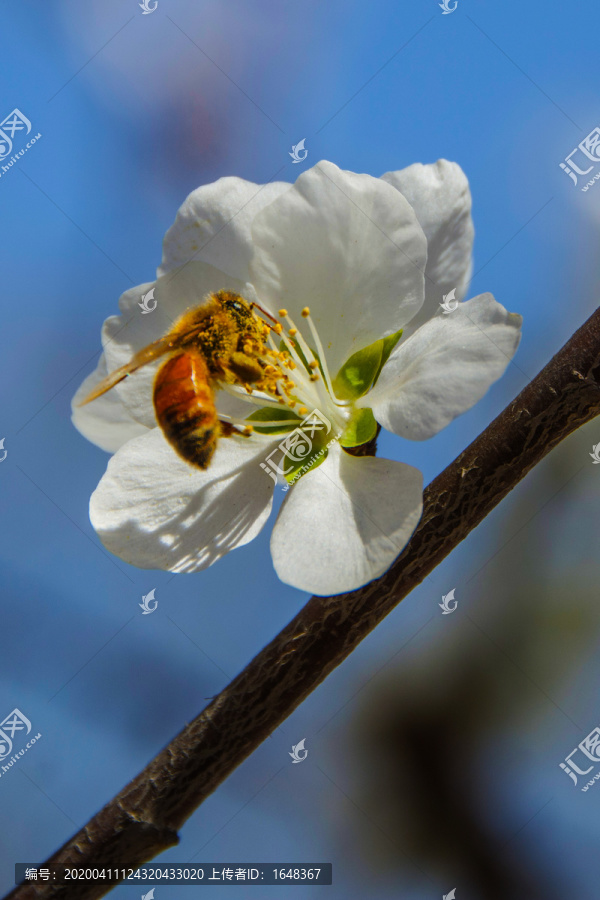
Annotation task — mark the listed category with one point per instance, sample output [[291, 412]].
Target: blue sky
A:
[[136, 111]]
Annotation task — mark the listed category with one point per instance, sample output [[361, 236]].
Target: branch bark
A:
[[143, 819]]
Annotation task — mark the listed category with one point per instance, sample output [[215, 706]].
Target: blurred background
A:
[[434, 750]]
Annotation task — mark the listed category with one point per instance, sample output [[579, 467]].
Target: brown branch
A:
[[144, 818]]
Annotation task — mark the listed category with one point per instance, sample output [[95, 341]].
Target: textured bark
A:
[[143, 819]]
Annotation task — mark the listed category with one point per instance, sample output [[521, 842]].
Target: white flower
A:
[[369, 257]]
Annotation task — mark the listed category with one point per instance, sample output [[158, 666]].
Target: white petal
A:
[[349, 247], [344, 523], [234, 406], [155, 511], [444, 368], [105, 422], [440, 196], [213, 225], [124, 335]]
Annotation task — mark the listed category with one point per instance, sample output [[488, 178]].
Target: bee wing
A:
[[185, 330], [141, 358]]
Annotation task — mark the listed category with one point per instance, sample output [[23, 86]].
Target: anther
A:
[[306, 312], [283, 313]]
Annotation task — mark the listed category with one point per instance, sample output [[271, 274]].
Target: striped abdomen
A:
[[185, 407]]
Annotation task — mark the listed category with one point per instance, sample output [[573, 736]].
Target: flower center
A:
[[297, 396], [295, 379]]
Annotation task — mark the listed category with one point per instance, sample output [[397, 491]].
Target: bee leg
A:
[[245, 368], [227, 429]]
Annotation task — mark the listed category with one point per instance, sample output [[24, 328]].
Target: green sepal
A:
[[356, 375], [300, 465], [360, 430], [389, 343], [267, 414], [360, 372]]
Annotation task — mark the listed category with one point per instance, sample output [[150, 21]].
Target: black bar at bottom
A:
[[182, 873]]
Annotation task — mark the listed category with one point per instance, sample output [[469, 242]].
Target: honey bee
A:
[[220, 342]]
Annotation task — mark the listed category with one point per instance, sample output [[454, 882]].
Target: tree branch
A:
[[144, 818]]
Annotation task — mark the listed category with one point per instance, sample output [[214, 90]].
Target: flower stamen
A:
[[257, 398], [292, 374], [319, 349]]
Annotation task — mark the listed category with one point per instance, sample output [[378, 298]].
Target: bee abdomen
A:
[[185, 407]]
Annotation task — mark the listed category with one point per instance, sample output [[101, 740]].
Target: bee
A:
[[220, 342]]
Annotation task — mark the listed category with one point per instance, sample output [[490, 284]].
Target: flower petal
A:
[[155, 511], [105, 422], [349, 247], [440, 196], [444, 368], [344, 523], [213, 225], [124, 335]]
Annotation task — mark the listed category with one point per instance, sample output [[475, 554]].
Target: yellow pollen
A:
[[291, 364], [282, 313], [303, 410], [248, 430], [278, 328], [248, 388], [313, 364], [292, 332], [314, 376], [306, 312]]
